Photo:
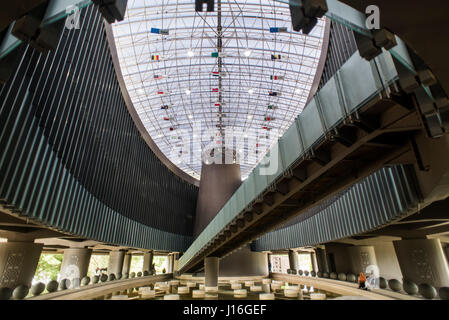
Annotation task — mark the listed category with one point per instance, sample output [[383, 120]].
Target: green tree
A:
[[48, 267]]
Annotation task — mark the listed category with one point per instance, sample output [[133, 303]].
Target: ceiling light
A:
[[298, 91], [248, 53], [251, 91], [190, 53], [250, 117], [188, 92], [190, 117]]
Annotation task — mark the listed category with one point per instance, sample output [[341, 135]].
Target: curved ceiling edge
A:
[[137, 121]]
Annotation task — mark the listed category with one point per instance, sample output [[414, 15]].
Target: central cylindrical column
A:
[[211, 268], [218, 183], [293, 260], [314, 261], [323, 266]]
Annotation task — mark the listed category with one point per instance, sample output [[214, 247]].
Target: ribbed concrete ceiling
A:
[[195, 78]]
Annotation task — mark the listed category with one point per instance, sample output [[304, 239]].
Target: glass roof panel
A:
[[193, 77]]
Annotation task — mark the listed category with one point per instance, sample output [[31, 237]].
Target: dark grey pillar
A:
[[148, 262], [127, 263], [116, 259], [18, 262], [293, 260], [218, 184], [75, 264], [211, 269], [322, 260], [423, 261]]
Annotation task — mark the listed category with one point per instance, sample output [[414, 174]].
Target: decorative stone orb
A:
[[395, 285], [111, 277], [306, 273], [266, 296], [37, 289], [300, 272], [64, 284], [146, 273], [383, 284], [104, 278], [133, 275], [444, 293], [5, 293], [325, 275], [342, 277], [85, 281], [119, 276], [351, 277], [410, 287], [427, 291], [76, 282], [333, 275], [95, 279], [20, 292], [313, 273], [52, 286], [139, 274], [319, 274]]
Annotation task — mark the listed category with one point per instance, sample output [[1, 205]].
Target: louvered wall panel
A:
[[71, 157], [383, 197]]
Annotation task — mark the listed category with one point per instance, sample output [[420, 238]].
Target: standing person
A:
[[362, 281]]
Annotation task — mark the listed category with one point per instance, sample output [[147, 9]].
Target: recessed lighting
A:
[[251, 91], [250, 117], [248, 53], [190, 53], [188, 91], [297, 90], [190, 116]]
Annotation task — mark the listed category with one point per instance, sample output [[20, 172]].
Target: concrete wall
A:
[[341, 256], [244, 262], [387, 261]]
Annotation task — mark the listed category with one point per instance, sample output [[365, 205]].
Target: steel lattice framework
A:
[[164, 46]]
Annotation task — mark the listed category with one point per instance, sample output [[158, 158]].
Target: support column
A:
[[211, 268], [170, 263], [314, 261], [363, 259], [115, 266], [18, 262], [322, 260], [148, 262], [293, 260], [127, 264], [175, 262], [75, 265], [423, 261]]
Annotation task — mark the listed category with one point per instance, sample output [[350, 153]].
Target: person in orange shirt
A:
[[362, 280]]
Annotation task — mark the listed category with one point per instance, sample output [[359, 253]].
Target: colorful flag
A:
[[166, 119], [165, 107], [218, 104], [275, 57], [274, 94], [277, 29], [155, 57], [157, 77], [270, 107], [277, 77], [164, 31], [159, 31], [215, 90], [219, 55], [268, 119]]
